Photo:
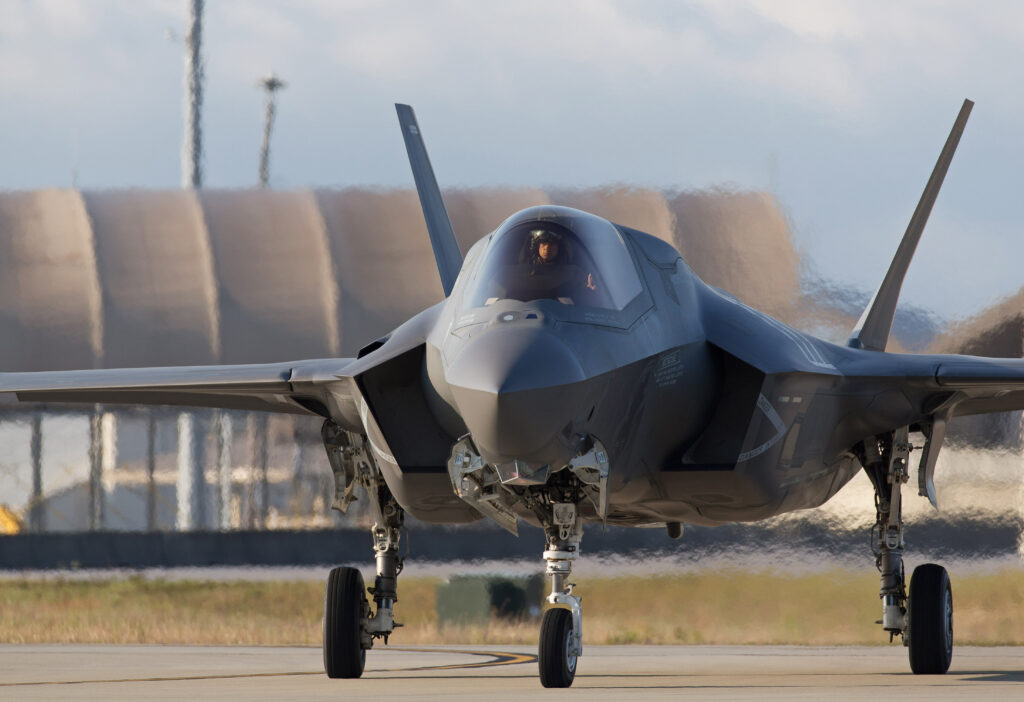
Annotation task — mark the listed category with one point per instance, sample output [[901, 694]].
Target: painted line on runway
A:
[[498, 658], [168, 679]]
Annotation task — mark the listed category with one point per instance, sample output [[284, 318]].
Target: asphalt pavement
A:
[[498, 673]]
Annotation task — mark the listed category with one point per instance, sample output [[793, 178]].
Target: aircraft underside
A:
[[666, 454]]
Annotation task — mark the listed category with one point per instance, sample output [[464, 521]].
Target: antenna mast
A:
[[271, 84], [192, 148]]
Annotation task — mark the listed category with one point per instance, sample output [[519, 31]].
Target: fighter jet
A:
[[577, 371]]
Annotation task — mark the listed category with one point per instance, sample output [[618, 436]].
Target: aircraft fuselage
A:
[[710, 411]]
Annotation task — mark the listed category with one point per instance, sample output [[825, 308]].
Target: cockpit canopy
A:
[[556, 253]]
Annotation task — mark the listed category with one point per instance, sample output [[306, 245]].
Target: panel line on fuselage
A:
[[809, 350]]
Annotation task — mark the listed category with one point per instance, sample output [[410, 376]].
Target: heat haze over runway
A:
[[501, 673]]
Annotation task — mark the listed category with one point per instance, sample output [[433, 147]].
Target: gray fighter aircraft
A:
[[578, 371]]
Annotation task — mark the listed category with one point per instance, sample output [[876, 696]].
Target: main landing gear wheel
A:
[[931, 620], [557, 666], [345, 606]]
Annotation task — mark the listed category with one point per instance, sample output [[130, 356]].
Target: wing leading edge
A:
[[981, 385], [317, 387]]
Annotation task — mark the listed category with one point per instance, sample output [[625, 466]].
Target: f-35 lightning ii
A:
[[578, 371]]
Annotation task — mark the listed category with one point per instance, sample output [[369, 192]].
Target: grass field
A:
[[837, 607]]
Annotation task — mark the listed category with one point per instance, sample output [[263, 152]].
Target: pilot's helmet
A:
[[540, 236], [544, 236]]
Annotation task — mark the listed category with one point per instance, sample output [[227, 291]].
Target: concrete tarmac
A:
[[497, 673]]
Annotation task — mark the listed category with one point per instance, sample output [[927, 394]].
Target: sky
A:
[[838, 108]]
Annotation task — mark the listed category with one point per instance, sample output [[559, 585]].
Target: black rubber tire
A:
[[344, 602], [930, 609], [557, 668]]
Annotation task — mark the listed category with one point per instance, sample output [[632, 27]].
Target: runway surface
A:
[[494, 673]]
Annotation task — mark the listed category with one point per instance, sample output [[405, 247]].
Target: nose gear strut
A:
[[561, 641]]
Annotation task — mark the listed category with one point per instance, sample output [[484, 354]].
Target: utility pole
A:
[[192, 148], [271, 84]]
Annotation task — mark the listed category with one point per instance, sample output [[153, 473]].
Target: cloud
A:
[[820, 56], [52, 51]]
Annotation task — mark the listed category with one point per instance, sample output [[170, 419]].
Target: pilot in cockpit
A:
[[546, 254], [566, 256], [544, 247]]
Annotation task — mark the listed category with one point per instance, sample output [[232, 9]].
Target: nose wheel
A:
[[555, 656]]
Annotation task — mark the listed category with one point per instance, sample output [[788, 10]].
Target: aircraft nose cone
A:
[[511, 360], [517, 390]]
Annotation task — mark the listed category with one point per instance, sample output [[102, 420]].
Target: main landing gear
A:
[[924, 616], [350, 624]]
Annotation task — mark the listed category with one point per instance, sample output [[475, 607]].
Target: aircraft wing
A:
[[298, 387], [982, 385]]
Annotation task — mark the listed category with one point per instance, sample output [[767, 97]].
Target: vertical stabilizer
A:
[[442, 238], [872, 331]]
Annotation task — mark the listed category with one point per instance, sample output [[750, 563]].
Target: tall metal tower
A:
[[192, 148], [271, 84]]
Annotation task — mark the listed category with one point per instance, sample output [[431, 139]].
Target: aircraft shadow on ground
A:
[[994, 675]]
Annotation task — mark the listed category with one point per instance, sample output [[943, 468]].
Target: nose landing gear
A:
[[554, 497], [561, 631]]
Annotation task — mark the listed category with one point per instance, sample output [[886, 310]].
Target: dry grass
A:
[[837, 607]]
